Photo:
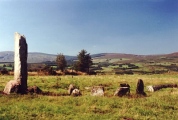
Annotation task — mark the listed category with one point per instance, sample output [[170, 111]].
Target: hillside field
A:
[[159, 105], [103, 63]]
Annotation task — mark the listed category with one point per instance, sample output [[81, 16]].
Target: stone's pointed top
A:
[[16, 33], [19, 35]]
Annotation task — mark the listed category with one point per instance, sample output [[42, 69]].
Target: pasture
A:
[[161, 104]]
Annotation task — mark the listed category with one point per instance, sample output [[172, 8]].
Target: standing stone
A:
[[20, 59], [140, 87], [20, 65]]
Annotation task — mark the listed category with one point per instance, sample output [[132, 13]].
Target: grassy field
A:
[[160, 105]]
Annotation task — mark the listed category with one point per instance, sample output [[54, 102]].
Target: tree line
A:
[[83, 62]]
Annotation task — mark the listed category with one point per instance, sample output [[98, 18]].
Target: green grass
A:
[[8, 68], [113, 60], [158, 105]]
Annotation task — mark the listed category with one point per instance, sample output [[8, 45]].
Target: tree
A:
[[4, 65], [61, 62], [84, 61]]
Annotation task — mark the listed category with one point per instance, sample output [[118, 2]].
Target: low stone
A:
[[76, 92], [97, 91], [123, 90], [70, 89], [11, 86], [154, 88], [150, 88], [34, 89]]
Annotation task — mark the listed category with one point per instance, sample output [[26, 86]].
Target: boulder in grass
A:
[[154, 88], [34, 89], [123, 90], [11, 86], [150, 88], [97, 91], [70, 89], [76, 92]]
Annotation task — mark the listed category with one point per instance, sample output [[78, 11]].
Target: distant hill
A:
[[33, 57], [36, 57], [131, 58]]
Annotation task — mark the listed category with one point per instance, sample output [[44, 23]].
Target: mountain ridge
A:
[[38, 57], [33, 57]]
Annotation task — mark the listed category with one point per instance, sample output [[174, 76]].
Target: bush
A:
[[4, 71]]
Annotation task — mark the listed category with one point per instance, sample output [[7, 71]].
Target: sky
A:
[[141, 27]]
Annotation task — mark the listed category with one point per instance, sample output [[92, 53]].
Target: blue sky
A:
[[98, 26]]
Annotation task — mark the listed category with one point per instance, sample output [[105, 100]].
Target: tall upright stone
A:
[[20, 62], [140, 87], [19, 84]]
